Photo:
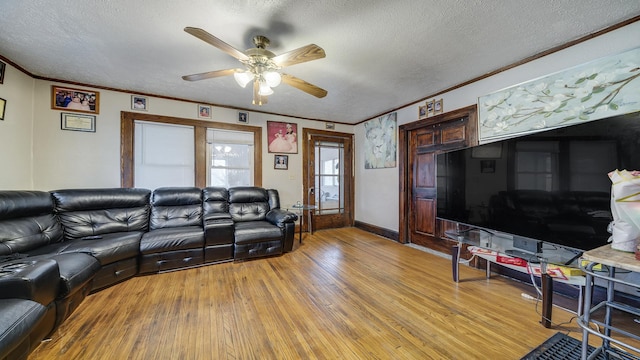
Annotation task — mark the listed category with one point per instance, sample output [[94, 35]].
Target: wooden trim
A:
[[389, 234], [127, 163]]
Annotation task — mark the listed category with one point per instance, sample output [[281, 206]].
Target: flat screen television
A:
[[550, 186]]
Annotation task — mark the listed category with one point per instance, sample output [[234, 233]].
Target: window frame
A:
[[127, 138]]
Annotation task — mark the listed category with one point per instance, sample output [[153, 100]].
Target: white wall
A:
[[15, 131], [73, 159], [377, 189]]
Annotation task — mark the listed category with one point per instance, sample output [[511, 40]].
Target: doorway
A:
[[328, 178]]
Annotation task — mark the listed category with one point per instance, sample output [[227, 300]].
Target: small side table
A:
[[300, 209]]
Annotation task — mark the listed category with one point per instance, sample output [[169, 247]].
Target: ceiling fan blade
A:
[[209, 74], [304, 86], [210, 39], [300, 55]]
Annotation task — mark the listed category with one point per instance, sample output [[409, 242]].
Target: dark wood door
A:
[[422, 142]]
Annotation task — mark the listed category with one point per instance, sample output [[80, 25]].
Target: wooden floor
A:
[[342, 294]]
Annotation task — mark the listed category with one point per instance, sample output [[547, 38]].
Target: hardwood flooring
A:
[[342, 294]]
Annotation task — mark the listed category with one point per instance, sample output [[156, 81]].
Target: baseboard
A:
[[389, 234]]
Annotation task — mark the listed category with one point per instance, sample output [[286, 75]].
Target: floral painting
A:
[[380, 142], [282, 137], [601, 88]]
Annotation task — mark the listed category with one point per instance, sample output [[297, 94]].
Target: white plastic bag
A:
[[625, 208]]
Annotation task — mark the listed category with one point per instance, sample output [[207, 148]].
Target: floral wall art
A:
[[602, 88]]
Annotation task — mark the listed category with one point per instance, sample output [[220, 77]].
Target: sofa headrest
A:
[[18, 204], [99, 199], [215, 194], [248, 194], [176, 196]]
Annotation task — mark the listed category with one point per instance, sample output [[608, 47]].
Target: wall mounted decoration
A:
[[601, 88], [3, 66], [430, 107], [243, 117], [204, 111], [422, 111], [3, 105], [282, 137], [77, 100], [438, 106], [281, 162], [140, 103], [380, 142], [78, 122]]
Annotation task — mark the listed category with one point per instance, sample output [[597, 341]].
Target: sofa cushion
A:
[[176, 207], [107, 248], [92, 212], [27, 221], [171, 239], [76, 270], [248, 203], [19, 319], [256, 231]]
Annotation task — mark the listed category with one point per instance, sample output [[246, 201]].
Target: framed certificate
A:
[[78, 122]]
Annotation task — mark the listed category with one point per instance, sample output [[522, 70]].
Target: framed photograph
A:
[[140, 103], [282, 137], [204, 111], [330, 126], [3, 66], [430, 107], [487, 166], [281, 162], [77, 100], [422, 112], [3, 105], [438, 107], [78, 122], [243, 117]]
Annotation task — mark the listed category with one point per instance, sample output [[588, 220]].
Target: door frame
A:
[[307, 183], [404, 167]]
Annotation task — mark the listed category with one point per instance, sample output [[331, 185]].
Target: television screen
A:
[[551, 185]]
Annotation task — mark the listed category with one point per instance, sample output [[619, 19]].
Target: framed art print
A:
[[282, 137], [76, 100]]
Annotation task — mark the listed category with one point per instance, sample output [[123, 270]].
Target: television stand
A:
[[552, 262]]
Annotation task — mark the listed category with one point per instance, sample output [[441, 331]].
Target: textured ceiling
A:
[[380, 54]]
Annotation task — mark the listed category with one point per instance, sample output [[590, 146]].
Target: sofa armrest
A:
[[36, 280], [218, 229], [280, 217]]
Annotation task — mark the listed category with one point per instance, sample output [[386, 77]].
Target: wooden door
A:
[[328, 178], [419, 144]]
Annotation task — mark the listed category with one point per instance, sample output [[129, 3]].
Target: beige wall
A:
[[16, 131], [382, 209]]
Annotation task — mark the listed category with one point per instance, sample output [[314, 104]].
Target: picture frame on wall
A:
[[204, 111], [281, 162], [76, 100], [243, 117], [78, 122], [430, 107], [3, 105], [438, 107], [3, 66], [422, 111], [140, 103], [282, 137]]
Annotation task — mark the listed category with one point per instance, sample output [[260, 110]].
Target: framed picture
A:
[[77, 100], [243, 117], [422, 112], [78, 122], [3, 66], [430, 107], [3, 105], [282, 137], [139, 103], [281, 162], [204, 111], [330, 126], [438, 107], [487, 166]]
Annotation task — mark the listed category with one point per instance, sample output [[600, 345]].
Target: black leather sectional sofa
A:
[[57, 247]]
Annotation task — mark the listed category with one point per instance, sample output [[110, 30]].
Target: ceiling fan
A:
[[261, 66]]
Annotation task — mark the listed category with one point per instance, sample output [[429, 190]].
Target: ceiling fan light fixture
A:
[[243, 78], [272, 78], [265, 90]]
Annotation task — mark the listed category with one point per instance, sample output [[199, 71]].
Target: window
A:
[[230, 158]]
